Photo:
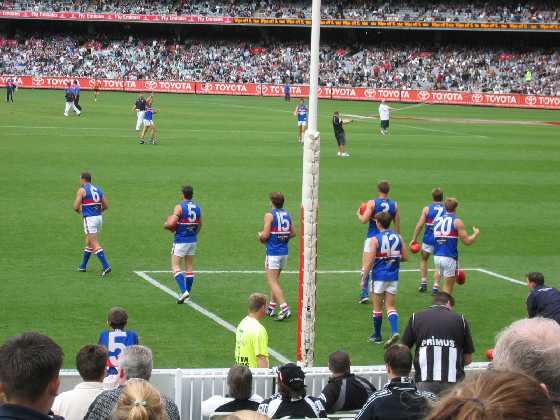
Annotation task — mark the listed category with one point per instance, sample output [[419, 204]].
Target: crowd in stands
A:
[[417, 10], [398, 66]]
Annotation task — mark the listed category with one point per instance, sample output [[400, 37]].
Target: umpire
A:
[[338, 123]]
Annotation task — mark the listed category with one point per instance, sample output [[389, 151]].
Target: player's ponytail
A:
[[139, 401]]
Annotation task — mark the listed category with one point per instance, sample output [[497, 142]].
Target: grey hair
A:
[[531, 346], [240, 382], [137, 362]]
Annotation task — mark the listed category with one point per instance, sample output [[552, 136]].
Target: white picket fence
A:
[[189, 387]]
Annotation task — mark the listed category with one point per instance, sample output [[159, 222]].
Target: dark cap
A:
[[291, 374]]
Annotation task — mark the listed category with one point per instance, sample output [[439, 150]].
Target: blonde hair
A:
[[247, 415], [139, 401]]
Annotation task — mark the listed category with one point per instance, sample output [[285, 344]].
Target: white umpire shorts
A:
[[367, 245], [445, 266], [380, 287], [275, 262], [427, 248], [184, 250], [302, 123], [92, 224]]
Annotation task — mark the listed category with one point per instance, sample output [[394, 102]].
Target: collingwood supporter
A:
[[543, 301], [493, 395], [134, 363], [399, 398], [443, 344], [29, 376], [90, 362], [344, 391], [532, 347], [139, 401], [291, 399]]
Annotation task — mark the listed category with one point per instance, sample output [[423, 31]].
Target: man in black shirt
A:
[[139, 107], [399, 398], [443, 342], [543, 301], [339, 133], [344, 391]]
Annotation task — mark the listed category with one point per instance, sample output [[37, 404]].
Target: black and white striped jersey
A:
[[279, 406]]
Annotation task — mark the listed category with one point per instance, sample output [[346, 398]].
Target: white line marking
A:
[[452, 133], [282, 359], [500, 276]]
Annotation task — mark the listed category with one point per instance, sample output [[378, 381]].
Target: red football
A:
[[363, 207], [414, 247], [490, 354], [461, 276], [171, 223]]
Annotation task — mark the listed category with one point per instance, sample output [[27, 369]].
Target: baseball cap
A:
[[291, 374]]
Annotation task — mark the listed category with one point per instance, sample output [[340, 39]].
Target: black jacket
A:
[[544, 301], [18, 412], [344, 393]]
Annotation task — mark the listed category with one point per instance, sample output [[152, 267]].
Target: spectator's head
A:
[[140, 94], [495, 394], [246, 415], [188, 192], [383, 220], [139, 401], [257, 305], [531, 346], [291, 381], [85, 177], [443, 299], [240, 382], [117, 318], [29, 367], [135, 362], [336, 114], [339, 363], [451, 204], [383, 187], [535, 279], [437, 194], [398, 361], [277, 199], [91, 361]]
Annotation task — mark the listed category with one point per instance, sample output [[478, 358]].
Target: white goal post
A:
[[305, 353]]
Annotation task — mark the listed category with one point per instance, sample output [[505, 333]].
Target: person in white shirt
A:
[[384, 115], [91, 362]]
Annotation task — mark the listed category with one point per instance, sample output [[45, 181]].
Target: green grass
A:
[[235, 151]]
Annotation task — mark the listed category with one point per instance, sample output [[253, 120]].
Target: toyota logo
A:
[[531, 100], [370, 93], [204, 87], [91, 82], [477, 98], [264, 89], [150, 84], [38, 81], [423, 95]]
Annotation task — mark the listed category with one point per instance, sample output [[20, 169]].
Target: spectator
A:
[[251, 338], [29, 376], [493, 395], [532, 347], [399, 398], [345, 391], [135, 363], [543, 300], [291, 400], [139, 401], [240, 385], [246, 415], [90, 362], [443, 344]]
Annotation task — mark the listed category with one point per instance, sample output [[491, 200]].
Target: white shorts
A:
[[183, 250], [445, 266], [140, 114], [380, 287], [275, 262], [148, 123], [427, 248], [367, 245], [302, 123], [92, 224]]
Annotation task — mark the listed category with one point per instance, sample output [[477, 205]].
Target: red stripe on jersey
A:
[[90, 202], [188, 222], [449, 235]]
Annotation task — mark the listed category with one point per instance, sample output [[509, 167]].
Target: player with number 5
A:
[[277, 232], [90, 201], [447, 229]]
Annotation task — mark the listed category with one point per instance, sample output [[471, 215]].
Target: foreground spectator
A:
[[135, 363], [443, 344], [139, 401], [246, 415], [345, 391], [240, 385], [29, 376], [291, 399], [90, 362], [532, 347], [496, 395], [399, 398], [543, 300]]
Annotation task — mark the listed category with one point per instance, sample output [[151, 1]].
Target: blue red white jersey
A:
[[188, 224], [76, 90], [149, 113], [91, 201], [301, 113], [387, 256], [380, 205], [435, 210], [445, 236], [277, 242], [115, 342]]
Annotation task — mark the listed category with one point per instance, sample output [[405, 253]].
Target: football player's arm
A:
[[78, 200], [292, 231], [295, 111], [397, 219], [404, 254], [199, 226], [419, 225], [265, 233], [176, 213], [364, 218], [462, 232], [369, 259], [134, 109], [104, 204]]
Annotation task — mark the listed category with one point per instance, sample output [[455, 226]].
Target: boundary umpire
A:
[[338, 123]]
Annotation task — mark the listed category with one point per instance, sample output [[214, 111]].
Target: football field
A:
[[503, 165]]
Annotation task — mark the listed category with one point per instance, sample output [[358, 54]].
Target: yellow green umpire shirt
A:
[[251, 340]]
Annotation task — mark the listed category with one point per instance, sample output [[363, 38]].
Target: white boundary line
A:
[[281, 358], [500, 276]]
